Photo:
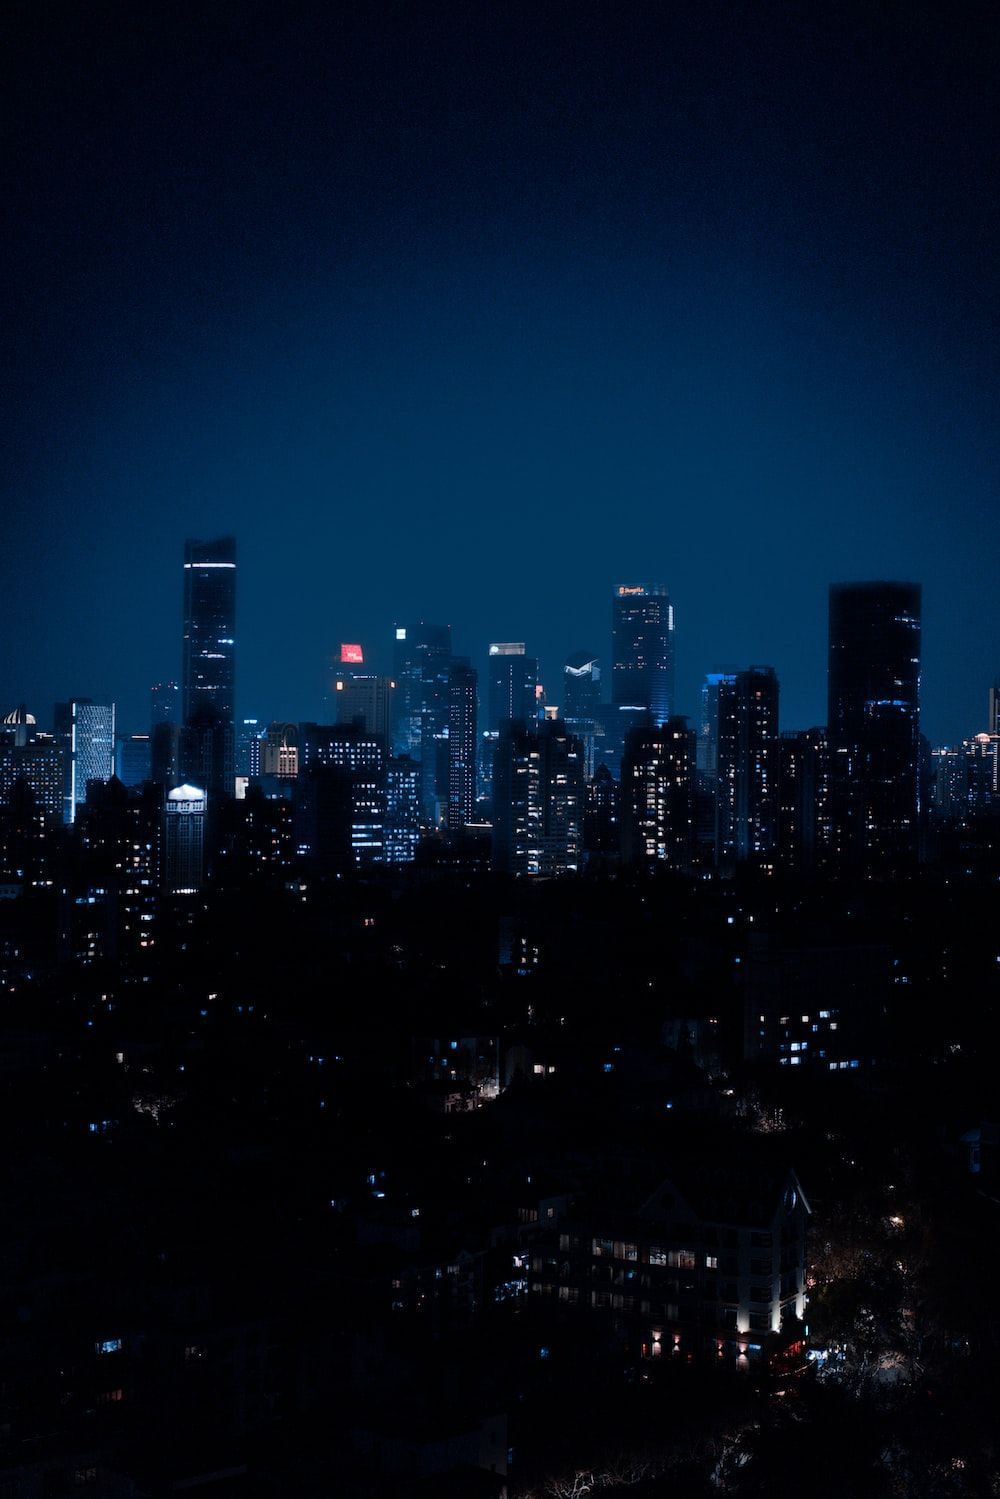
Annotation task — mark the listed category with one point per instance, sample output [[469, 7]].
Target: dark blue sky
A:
[[472, 312]]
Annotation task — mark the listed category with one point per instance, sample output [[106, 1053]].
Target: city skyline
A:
[[132, 698], [477, 336]]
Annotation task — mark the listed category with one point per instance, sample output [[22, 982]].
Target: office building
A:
[[581, 704], [874, 722], [184, 818], [359, 696], [642, 650], [133, 760], [513, 679], [462, 744], [34, 760], [360, 761], [86, 731], [657, 795], [538, 800], [279, 751], [747, 766], [421, 664], [402, 810], [208, 678], [249, 734]]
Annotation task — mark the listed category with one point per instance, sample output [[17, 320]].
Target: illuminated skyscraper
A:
[[86, 731], [184, 840], [34, 759], [462, 685], [657, 795], [538, 799], [209, 663], [359, 760], [642, 650], [747, 766], [874, 721]]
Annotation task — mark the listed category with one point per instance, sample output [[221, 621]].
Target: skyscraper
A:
[[209, 660], [657, 795], [747, 767], [462, 685], [86, 731], [642, 649], [874, 721], [708, 729], [581, 704], [538, 799], [513, 677], [422, 660], [184, 840]]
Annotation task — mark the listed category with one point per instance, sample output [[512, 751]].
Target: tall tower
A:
[[874, 721], [513, 679], [747, 765], [209, 663], [462, 682], [86, 731], [421, 664], [642, 650]]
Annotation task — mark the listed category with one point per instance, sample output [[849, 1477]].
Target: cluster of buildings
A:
[[484, 763]]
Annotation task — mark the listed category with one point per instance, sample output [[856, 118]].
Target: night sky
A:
[[471, 312]]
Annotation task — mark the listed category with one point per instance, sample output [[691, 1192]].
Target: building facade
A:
[[642, 649]]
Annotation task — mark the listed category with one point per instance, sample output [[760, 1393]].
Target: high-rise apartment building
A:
[[538, 799], [803, 799], [874, 722], [642, 649], [34, 760], [657, 795], [747, 765]]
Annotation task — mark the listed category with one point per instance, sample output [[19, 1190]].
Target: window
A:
[[108, 1345], [682, 1259], [657, 1256], [711, 1262], [109, 1397], [602, 1247]]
